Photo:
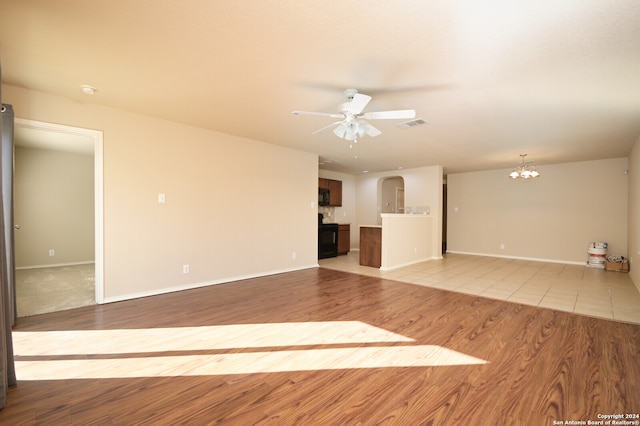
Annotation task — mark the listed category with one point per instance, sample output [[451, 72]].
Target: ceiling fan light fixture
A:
[[350, 134], [340, 131], [354, 122]]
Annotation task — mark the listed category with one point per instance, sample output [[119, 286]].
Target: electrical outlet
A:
[[161, 198], [185, 269], [294, 255], [52, 252], [501, 246]]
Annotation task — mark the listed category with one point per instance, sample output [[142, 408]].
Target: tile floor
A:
[[572, 288]]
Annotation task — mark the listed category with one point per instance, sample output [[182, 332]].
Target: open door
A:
[[7, 207]]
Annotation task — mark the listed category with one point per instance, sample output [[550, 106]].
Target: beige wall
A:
[[406, 239], [234, 208], [552, 218], [634, 213], [54, 206]]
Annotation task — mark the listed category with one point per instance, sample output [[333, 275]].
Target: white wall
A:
[[553, 217], [406, 239], [634, 213], [217, 188]]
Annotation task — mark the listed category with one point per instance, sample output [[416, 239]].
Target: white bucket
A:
[[597, 257]]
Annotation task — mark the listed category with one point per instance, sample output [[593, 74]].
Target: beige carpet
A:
[[42, 290]]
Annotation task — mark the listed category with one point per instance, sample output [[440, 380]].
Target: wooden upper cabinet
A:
[[335, 190]]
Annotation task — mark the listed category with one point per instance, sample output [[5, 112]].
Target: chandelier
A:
[[524, 170]]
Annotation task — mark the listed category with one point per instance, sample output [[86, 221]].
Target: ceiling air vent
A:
[[322, 160], [412, 123]]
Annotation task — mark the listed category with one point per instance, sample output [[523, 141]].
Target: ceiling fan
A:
[[352, 124]]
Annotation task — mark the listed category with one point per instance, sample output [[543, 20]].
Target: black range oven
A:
[[327, 239]]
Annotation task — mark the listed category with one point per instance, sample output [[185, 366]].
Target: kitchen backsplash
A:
[[328, 213]]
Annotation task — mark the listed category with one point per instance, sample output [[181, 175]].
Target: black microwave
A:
[[323, 197]]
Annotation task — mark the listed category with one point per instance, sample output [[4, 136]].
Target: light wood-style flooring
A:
[[321, 347]]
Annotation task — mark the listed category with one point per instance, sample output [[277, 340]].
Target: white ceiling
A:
[[558, 80]]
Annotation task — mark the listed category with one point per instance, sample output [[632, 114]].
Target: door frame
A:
[[97, 137]]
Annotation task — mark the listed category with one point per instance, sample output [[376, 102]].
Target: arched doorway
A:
[[392, 195]]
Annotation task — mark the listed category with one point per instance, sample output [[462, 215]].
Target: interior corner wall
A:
[[634, 213], [235, 208], [551, 218]]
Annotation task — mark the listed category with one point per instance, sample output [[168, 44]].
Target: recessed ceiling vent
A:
[[412, 123], [322, 160]]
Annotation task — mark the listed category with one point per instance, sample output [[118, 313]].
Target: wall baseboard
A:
[[199, 285], [533, 259], [55, 265], [426, 259]]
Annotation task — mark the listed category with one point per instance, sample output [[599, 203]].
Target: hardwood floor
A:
[[321, 347]]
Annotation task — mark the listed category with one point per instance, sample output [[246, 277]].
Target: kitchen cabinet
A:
[[335, 190], [344, 238], [371, 246]]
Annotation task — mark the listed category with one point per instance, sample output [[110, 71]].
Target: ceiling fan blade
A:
[[323, 114], [358, 103], [372, 131], [381, 115], [377, 91], [327, 127]]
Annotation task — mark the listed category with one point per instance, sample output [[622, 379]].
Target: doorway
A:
[[67, 142], [392, 195]]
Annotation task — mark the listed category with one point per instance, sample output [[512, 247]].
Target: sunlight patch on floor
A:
[[244, 363], [129, 353], [123, 341]]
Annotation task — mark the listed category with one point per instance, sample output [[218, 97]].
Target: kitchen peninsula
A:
[[401, 240]]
